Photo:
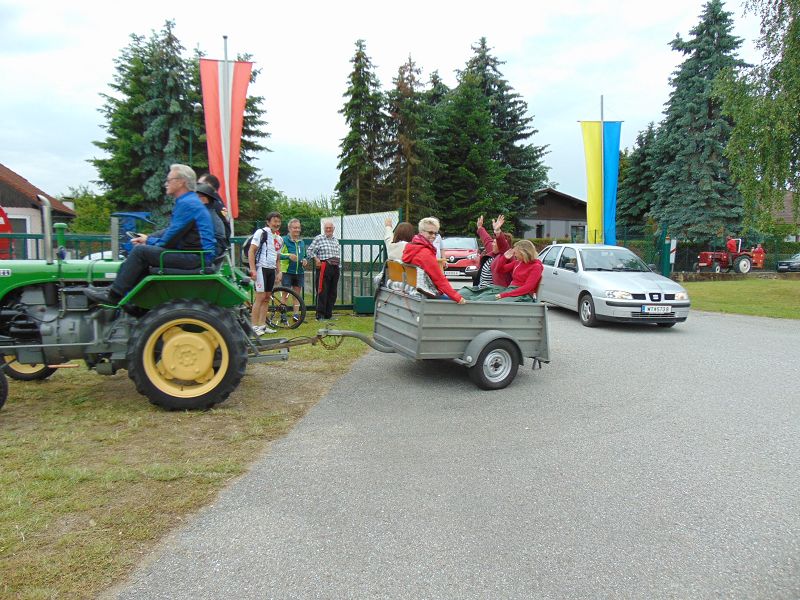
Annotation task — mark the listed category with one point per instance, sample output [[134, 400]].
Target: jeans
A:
[[142, 257]]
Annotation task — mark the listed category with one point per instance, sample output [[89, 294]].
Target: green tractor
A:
[[184, 337]]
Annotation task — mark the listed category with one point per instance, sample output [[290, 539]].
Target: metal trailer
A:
[[491, 339]]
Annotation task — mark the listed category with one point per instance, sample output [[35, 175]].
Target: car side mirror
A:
[[652, 267]]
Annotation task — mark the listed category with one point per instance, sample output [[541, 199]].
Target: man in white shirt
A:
[[262, 257]]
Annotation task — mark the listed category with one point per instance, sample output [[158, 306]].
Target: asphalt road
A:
[[641, 463]]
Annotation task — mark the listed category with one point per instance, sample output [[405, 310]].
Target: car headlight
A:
[[472, 256], [619, 295], [681, 295]]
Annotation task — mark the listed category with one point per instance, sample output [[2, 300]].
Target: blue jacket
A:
[[190, 228]]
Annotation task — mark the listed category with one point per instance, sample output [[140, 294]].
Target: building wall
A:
[[554, 228]]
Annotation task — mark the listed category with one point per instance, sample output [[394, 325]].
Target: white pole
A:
[[225, 100], [602, 173]]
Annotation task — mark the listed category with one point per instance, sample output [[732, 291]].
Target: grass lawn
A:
[[93, 475], [757, 297]]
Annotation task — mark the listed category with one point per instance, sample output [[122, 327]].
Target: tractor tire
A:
[[3, 388], [22, 372], [696, 267], [743, 265], [716, 267], [187, 355], [497, 365], [586, 310]]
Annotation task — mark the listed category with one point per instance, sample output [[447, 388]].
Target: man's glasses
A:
[[429, 232], [172, 179]]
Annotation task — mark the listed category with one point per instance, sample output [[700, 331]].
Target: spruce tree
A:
[[523, 161], [361, 149], [694, 192], [467, 179], [635, 193], [153, 114]]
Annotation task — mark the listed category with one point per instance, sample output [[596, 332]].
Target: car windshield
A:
[[459, 243], [611, 259], [795, 257]]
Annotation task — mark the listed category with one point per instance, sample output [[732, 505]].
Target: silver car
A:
[[609, 283]]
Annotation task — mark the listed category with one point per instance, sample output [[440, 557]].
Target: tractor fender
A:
[[479, 342], [215, 289]]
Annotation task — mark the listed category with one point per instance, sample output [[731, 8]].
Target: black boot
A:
[[104, 295]]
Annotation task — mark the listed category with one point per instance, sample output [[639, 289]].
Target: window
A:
[[568, 257], [548, 257], [540, 230]]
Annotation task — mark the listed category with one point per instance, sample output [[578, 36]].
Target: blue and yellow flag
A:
[[602, 170]]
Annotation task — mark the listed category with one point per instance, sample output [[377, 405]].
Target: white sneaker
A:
[[258, 330], [265, 330]]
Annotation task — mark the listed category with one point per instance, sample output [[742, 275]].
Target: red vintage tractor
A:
[[741, 261]]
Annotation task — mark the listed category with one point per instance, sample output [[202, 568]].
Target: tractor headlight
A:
[[619, 295], [681, 295]]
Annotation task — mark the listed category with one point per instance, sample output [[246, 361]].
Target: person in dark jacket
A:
[[190, 228], [213, 202], [420, 251]]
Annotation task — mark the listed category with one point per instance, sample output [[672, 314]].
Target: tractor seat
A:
[[209, 269]]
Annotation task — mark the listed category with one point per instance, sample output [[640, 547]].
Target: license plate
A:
[[656, 310], [453, 273]]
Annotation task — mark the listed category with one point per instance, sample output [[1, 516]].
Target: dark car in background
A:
[[462, 257], [790, 264]]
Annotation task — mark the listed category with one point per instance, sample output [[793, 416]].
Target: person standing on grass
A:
[[262, 257], [325, 251], [293, 264]]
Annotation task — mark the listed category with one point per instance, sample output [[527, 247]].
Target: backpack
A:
[[249, 241]]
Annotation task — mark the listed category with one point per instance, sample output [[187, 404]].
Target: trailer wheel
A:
[[187, 355], [743, 264], [3, 388], [497, 365], [22, 372]]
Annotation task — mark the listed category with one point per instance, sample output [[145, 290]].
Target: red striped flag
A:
[[224, 96]]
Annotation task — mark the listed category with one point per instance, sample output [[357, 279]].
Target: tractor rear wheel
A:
[[743, 264], [187, 355], [22, 372]]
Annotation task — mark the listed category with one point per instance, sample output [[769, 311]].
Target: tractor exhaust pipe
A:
[[47, 228]]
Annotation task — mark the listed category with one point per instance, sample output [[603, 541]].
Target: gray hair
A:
[[186, 173], [289, 224], [429, 222]]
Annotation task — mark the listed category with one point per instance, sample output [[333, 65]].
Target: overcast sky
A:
[[57, 57]]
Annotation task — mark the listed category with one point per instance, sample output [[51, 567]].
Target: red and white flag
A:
[[224, 95]]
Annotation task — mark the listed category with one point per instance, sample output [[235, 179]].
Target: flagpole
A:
[[226, 126], [602, 169]]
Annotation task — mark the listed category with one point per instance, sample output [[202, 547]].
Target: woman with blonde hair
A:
[[522, 262]]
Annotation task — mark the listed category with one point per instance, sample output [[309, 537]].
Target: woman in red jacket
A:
[[523, 264], [420, 251]]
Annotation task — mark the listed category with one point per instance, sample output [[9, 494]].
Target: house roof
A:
[[18, 192], [555, 192]]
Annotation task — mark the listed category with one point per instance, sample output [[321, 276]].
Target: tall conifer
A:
[[635, 194], [360, 158], [694, 191]]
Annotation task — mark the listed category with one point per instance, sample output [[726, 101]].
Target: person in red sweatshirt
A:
[[492, 247], [420, 251], [525, 268]]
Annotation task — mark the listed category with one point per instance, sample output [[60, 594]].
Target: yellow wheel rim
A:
[[21, 367], [185, 358]]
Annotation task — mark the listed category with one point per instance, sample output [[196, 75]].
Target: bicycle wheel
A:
[[281, 313]]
